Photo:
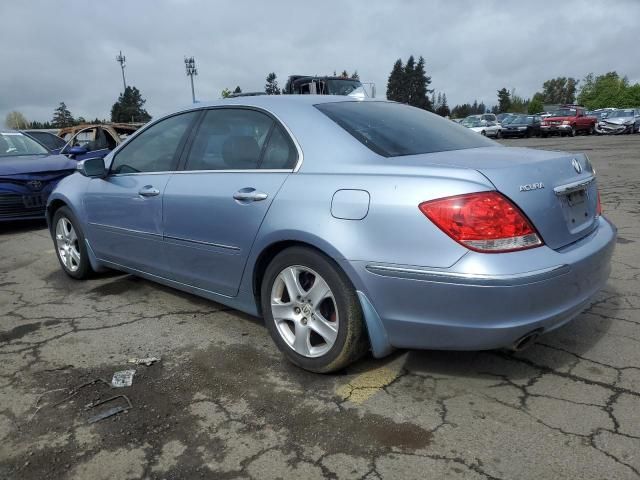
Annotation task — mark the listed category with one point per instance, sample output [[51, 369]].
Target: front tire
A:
[[312, 311], [70, 246]]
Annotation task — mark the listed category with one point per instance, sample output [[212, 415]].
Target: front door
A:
[[124, 210], [214, 207]]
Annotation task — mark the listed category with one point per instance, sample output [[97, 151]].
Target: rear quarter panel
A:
[[394, 231]]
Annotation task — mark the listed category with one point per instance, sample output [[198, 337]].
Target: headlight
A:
[[628, 122], [566, 122]]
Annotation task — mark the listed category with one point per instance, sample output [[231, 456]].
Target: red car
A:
[[568, 120]]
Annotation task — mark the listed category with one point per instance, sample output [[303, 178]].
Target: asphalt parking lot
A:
[[222, 402]]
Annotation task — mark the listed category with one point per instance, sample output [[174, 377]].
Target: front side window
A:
[[154, 150], [230, 139]]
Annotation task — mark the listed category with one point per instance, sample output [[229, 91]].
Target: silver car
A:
[[619, 121], [348, 225]]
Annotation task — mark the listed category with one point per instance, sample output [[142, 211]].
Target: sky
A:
[[55, 51]]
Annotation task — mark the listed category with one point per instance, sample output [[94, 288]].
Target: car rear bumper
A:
[[504, 298]]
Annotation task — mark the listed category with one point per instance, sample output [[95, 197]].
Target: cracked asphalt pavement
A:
[[223, 403]]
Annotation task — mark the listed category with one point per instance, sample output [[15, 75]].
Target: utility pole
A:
[[121, 60], [190, 66]]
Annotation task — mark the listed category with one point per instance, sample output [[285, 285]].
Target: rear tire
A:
[[69, 243], [319, 329]]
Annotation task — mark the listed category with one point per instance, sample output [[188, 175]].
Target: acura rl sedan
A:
[[348, 225]]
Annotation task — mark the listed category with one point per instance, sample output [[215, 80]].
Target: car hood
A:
[[35, 163], [618, 120]]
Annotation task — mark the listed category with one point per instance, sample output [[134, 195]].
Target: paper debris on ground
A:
[[123, 378]]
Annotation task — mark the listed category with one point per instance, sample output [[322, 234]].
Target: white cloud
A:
[[65, 51]]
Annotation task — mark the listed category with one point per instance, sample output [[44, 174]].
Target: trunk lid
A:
[[557, 191]]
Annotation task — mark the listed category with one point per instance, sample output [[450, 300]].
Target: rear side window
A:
[[229, 139], [393, 129], [279, 153]]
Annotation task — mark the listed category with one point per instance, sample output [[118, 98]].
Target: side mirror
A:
[[78, 150], [92, 167]]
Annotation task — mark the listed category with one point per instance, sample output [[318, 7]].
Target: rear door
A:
[[124, 209], [213, 208]]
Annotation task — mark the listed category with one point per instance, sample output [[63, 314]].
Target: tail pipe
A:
[[526, 340]]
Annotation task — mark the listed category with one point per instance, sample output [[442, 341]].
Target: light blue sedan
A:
[[349, 225]]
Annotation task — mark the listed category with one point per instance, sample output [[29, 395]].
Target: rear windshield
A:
[[393, 129]]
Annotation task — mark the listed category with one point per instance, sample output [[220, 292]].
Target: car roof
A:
[[267, 101]]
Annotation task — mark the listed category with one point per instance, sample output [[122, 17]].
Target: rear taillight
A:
[[599, 205], [485, 222]]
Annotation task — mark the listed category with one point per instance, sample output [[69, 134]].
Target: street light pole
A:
[[190, 66], [121, 59]]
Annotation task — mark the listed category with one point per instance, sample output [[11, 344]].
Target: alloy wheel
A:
[[304, 311], [67, 243]]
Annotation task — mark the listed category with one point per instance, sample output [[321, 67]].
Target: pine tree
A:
[[237, 89], [271, 87], [474, 108], [408, 81], [394, 84], [62, 117], [443, 108], [344, 74], [504, 100], [420, 82], [129, 107], [355, 75]]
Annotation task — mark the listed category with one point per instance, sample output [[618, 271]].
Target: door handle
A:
[[247, 195], [149, 191]]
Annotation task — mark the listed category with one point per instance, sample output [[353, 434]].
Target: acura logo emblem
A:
[[35, 184], [576, 165]]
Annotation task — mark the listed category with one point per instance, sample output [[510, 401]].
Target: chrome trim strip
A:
[[200, 242], [182, 172], [122, 229], [574, 186], [248, 170], [468, 278]]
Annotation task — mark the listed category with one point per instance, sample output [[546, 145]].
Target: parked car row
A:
[[567, 120]]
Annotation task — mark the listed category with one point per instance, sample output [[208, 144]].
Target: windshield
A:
[[13, 144], [472, 122], [393, 129], [507, 120], [620, 113], [341, 87], [564, 112], [525, 119]]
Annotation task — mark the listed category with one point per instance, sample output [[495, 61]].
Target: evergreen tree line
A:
[[129, 108]]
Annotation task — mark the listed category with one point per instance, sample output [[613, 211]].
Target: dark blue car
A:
[[28, 174]]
